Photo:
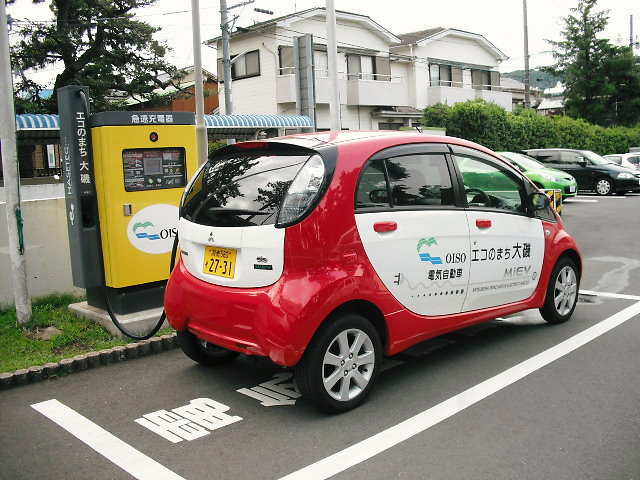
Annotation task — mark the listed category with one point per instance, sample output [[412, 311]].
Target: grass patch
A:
[[20, 347]]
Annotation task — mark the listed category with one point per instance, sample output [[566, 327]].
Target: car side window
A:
[[548, 157], [489, 185], [634, 160], [372, 189], [420, 180], [572, 158]]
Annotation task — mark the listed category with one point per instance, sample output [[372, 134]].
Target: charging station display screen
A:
[[154, 168]]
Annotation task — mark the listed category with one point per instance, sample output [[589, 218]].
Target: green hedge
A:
[[494, 127]]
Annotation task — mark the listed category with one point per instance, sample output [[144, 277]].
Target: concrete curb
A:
[[87, 361]]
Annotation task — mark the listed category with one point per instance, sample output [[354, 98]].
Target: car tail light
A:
[[302, 192]]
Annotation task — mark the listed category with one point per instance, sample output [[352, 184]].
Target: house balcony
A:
[[286, 86], [364, 89], [454, 94], [377, 90]]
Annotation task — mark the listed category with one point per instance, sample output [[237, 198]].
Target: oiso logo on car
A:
[[153, 228]]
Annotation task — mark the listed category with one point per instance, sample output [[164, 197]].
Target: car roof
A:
[[373, 140], [555, 150]]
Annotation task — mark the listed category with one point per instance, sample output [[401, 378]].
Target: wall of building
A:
[[47, 250], [254, 95]]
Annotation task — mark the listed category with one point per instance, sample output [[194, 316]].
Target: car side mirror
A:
[[538, 201], [582, 162]]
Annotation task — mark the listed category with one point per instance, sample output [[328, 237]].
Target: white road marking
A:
[[122, 454], [402, 431], [622, 296], [579, 200], [603, 197]]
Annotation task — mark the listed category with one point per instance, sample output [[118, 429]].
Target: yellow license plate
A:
[[219, 261]]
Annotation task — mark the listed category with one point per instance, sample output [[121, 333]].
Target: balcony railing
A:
[[375, 77], [450, 83]]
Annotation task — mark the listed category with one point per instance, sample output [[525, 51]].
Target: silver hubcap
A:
[[348, 364], [603, 187], [565, 291]]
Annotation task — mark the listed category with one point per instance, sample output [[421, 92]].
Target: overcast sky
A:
[[500, 21]]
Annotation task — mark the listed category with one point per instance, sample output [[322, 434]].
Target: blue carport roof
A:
[[30, 121]]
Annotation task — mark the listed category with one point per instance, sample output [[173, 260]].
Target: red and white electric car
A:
[[326, 251]]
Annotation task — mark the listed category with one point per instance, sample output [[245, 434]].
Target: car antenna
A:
[[418, 128]]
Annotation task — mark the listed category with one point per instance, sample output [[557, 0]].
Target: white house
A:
[[385, 80]]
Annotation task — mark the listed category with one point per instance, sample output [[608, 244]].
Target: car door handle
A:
[[480, 223], [385, 226]]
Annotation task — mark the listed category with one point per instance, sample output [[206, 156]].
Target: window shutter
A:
[[353, 67], [476, 79], [252, 60], [495, 80], [286, 60], [383, 69], [456, 77]]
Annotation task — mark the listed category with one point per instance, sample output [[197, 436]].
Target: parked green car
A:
[[543, 177]]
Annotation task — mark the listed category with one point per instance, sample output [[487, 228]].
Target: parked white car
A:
[[627, 160]]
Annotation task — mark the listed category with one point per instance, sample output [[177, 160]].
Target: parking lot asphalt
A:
[[512, 398]]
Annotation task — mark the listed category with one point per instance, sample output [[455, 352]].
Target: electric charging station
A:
[[125, 173]]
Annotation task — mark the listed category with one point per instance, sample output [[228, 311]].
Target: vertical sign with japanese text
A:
[[77, 168]]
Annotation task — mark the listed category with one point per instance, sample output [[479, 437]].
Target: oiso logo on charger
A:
[[153, 228]]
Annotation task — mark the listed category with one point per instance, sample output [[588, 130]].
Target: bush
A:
[[492, 126]]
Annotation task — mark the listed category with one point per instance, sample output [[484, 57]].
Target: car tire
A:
[[603, 186], [562, 292], [341, 363], [202, 351]]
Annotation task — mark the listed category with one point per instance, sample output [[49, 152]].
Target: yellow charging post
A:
[[142, 162], [141, 171]]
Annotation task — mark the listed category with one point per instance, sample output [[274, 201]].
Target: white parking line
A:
[[578, 200], [392, 436], [622, 296], [604, 197], [122, 454]]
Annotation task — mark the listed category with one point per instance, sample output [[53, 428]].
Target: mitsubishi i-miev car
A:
[[325, 252]]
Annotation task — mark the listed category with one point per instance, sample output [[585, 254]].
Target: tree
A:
[[97, 43], [599, 78]]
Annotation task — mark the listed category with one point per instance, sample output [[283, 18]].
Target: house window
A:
[[485, 80], [246, 66], [440, 75], [367, 67]]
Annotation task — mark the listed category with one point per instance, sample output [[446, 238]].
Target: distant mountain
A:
[[538, 78]]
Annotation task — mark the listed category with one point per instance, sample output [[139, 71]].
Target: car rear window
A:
[[241, 190]]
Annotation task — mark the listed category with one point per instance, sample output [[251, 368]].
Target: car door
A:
[[414, 230], [506, 245], [578, 166]]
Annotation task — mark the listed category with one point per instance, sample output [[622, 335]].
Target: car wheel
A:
[[204, 352], [562, 292], [604, 186], [340, 364]]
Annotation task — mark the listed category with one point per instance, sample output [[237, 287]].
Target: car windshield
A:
[[595, 158], [523, 161]]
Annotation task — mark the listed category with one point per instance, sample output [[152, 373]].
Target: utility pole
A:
[[11, 174], [226, 57], [201, 129], [631, 32], [332, 54], [527, 81]]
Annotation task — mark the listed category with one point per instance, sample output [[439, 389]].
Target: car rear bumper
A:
[[245, 320]]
